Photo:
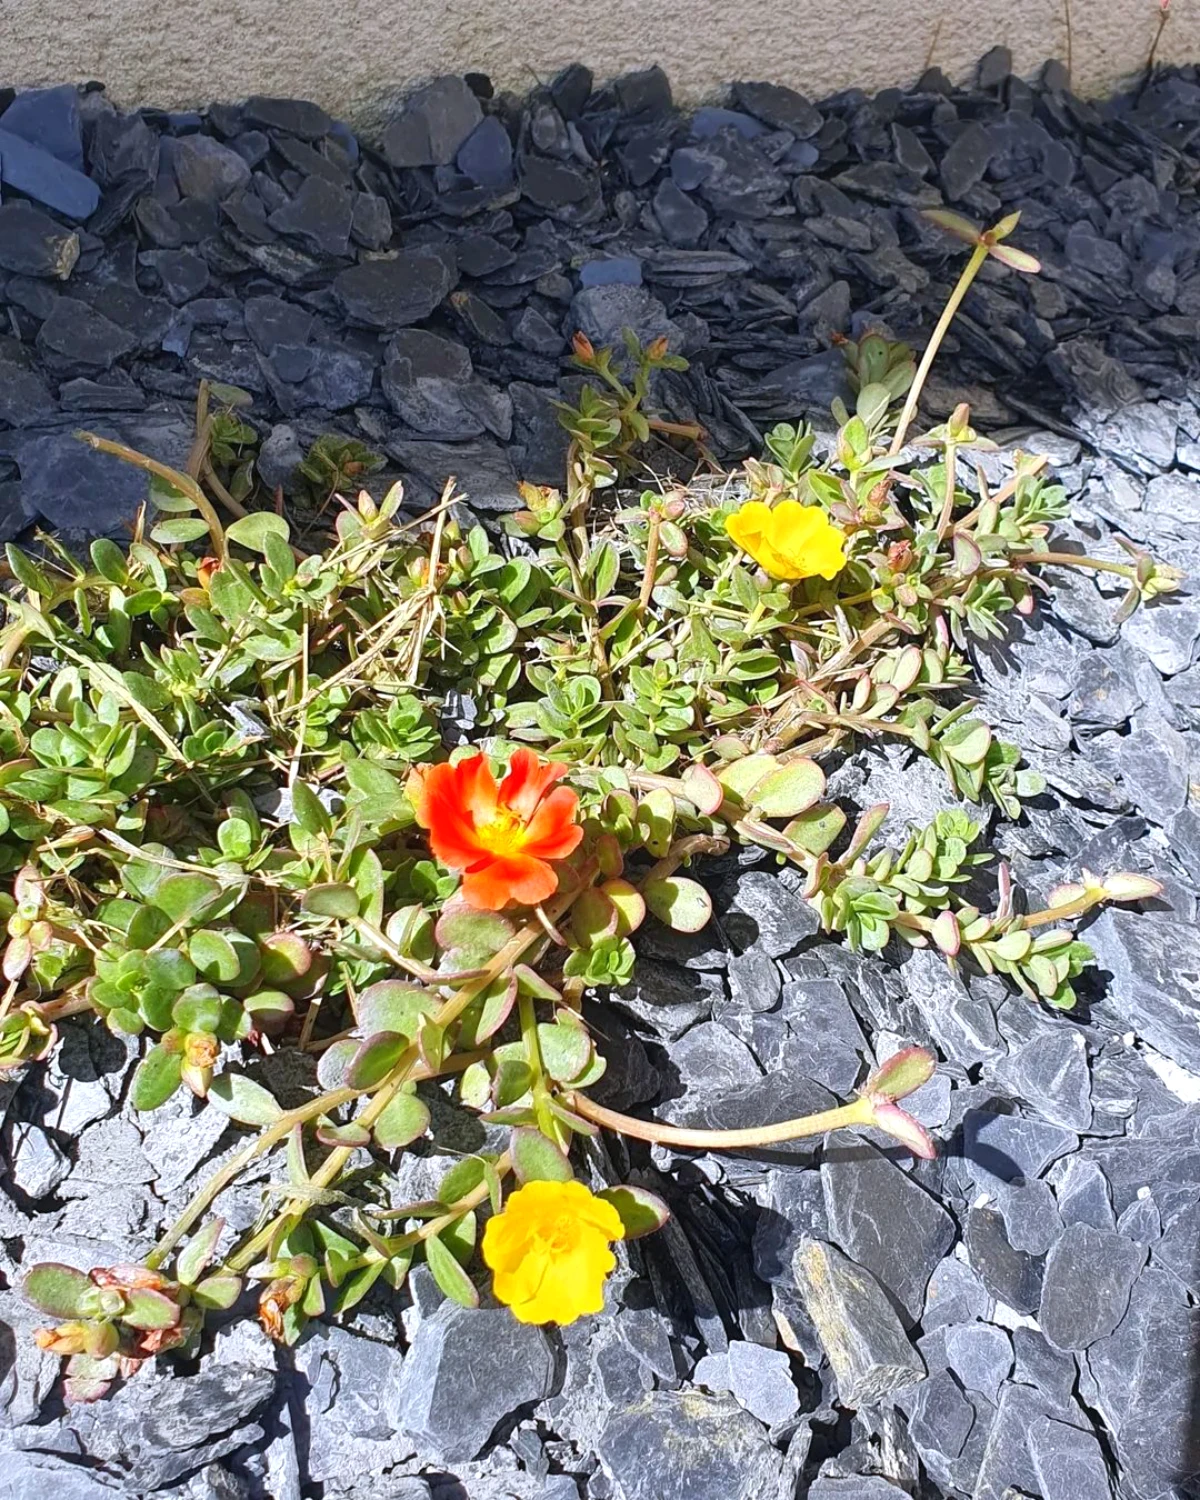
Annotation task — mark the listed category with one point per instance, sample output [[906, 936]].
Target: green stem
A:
[[860, 1112], [1071, 560], [963, 285]]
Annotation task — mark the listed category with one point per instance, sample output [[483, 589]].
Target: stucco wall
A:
[[351, 55]]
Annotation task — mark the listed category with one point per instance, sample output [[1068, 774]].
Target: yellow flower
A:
[[548, 1251], [789, 540]]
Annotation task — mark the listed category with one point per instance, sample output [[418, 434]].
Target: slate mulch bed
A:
[[1046, 1266]]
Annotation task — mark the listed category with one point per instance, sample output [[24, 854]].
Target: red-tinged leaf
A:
[[1018, 260], [1125, 886], [703, 790], [198, 1252], [956, 224], [945, 933], [902, 1074], [352, 1135], [893, 1121], [536, 1158], [629, 903], [488, 1012], [679, 903], [375, 1059], [402, 1122], [395, 1006], [150, 1309], [641, 1211], [57, 1290]]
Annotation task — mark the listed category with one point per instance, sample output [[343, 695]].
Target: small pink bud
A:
[[902, 1074], [892, 1120]]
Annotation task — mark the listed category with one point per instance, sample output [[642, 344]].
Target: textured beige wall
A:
[[350, 55]]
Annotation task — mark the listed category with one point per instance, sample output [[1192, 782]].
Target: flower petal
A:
[[527, 782], [494, 882], [552, 832], [476, 788]]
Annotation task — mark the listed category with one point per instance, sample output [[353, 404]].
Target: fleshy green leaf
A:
[[333, 900], [57, 1290], [157, 1077], [641, 1211], [790, 790], [449, 1275], [252, 531], [404, 1120], [536, 1158], [679, 903], [243, 1100]]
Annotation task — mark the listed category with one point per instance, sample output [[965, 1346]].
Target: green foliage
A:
[[210, 818]]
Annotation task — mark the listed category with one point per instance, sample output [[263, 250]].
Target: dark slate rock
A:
[[1010, 1275], [868, 1349], [1052, 1371], [940, 1417], [44, 177], [1082, 1192], [270, 321], [817, 1011], [681, 219], [959, 1017], [206, 169], [1154, 961], [48, 118], [33, 244], [1069, 1463], [329, 376], [782, 108], [1031, 1218], [433, 125], [955, 1294], [75, 334], [686, 1446], [1089, 1274], [25, 399], [1007, 1467], [370, 221], [486, 156], [504, 1364], [1051, 1074], [1145, 1378], [320, 216], [966, 161], [398, 291], [295, 116], [71, 486], [758, 907], [980, 1355], [107, 394], [885, 1222], [183, 274], [482, 467], [998, 1148]]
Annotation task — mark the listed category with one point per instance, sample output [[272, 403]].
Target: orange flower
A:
[[501, 837]]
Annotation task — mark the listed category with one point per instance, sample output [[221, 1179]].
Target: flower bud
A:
[[582, 345]]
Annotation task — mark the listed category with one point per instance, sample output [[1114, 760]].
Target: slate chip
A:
[[33, 244], [504, 1363], [728, 1457], [397, 291], [1085, 1292], [863, 1339], [885, 1222]]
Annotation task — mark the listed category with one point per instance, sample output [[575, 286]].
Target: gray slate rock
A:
[[502, 1363], [1068, 1463], [867, 1347], [1085, 1292], [33, 1476], [397, 291], [997, 1149], [1007, 1467], [885, 1222], [981, 1355], [759, 1379], [686, 1446], [1051, 1074], [1154, 960], [855, 1487], [1012, 1276], [955, 1295], [435, 122], [36, 1163], [1145, 1380]]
